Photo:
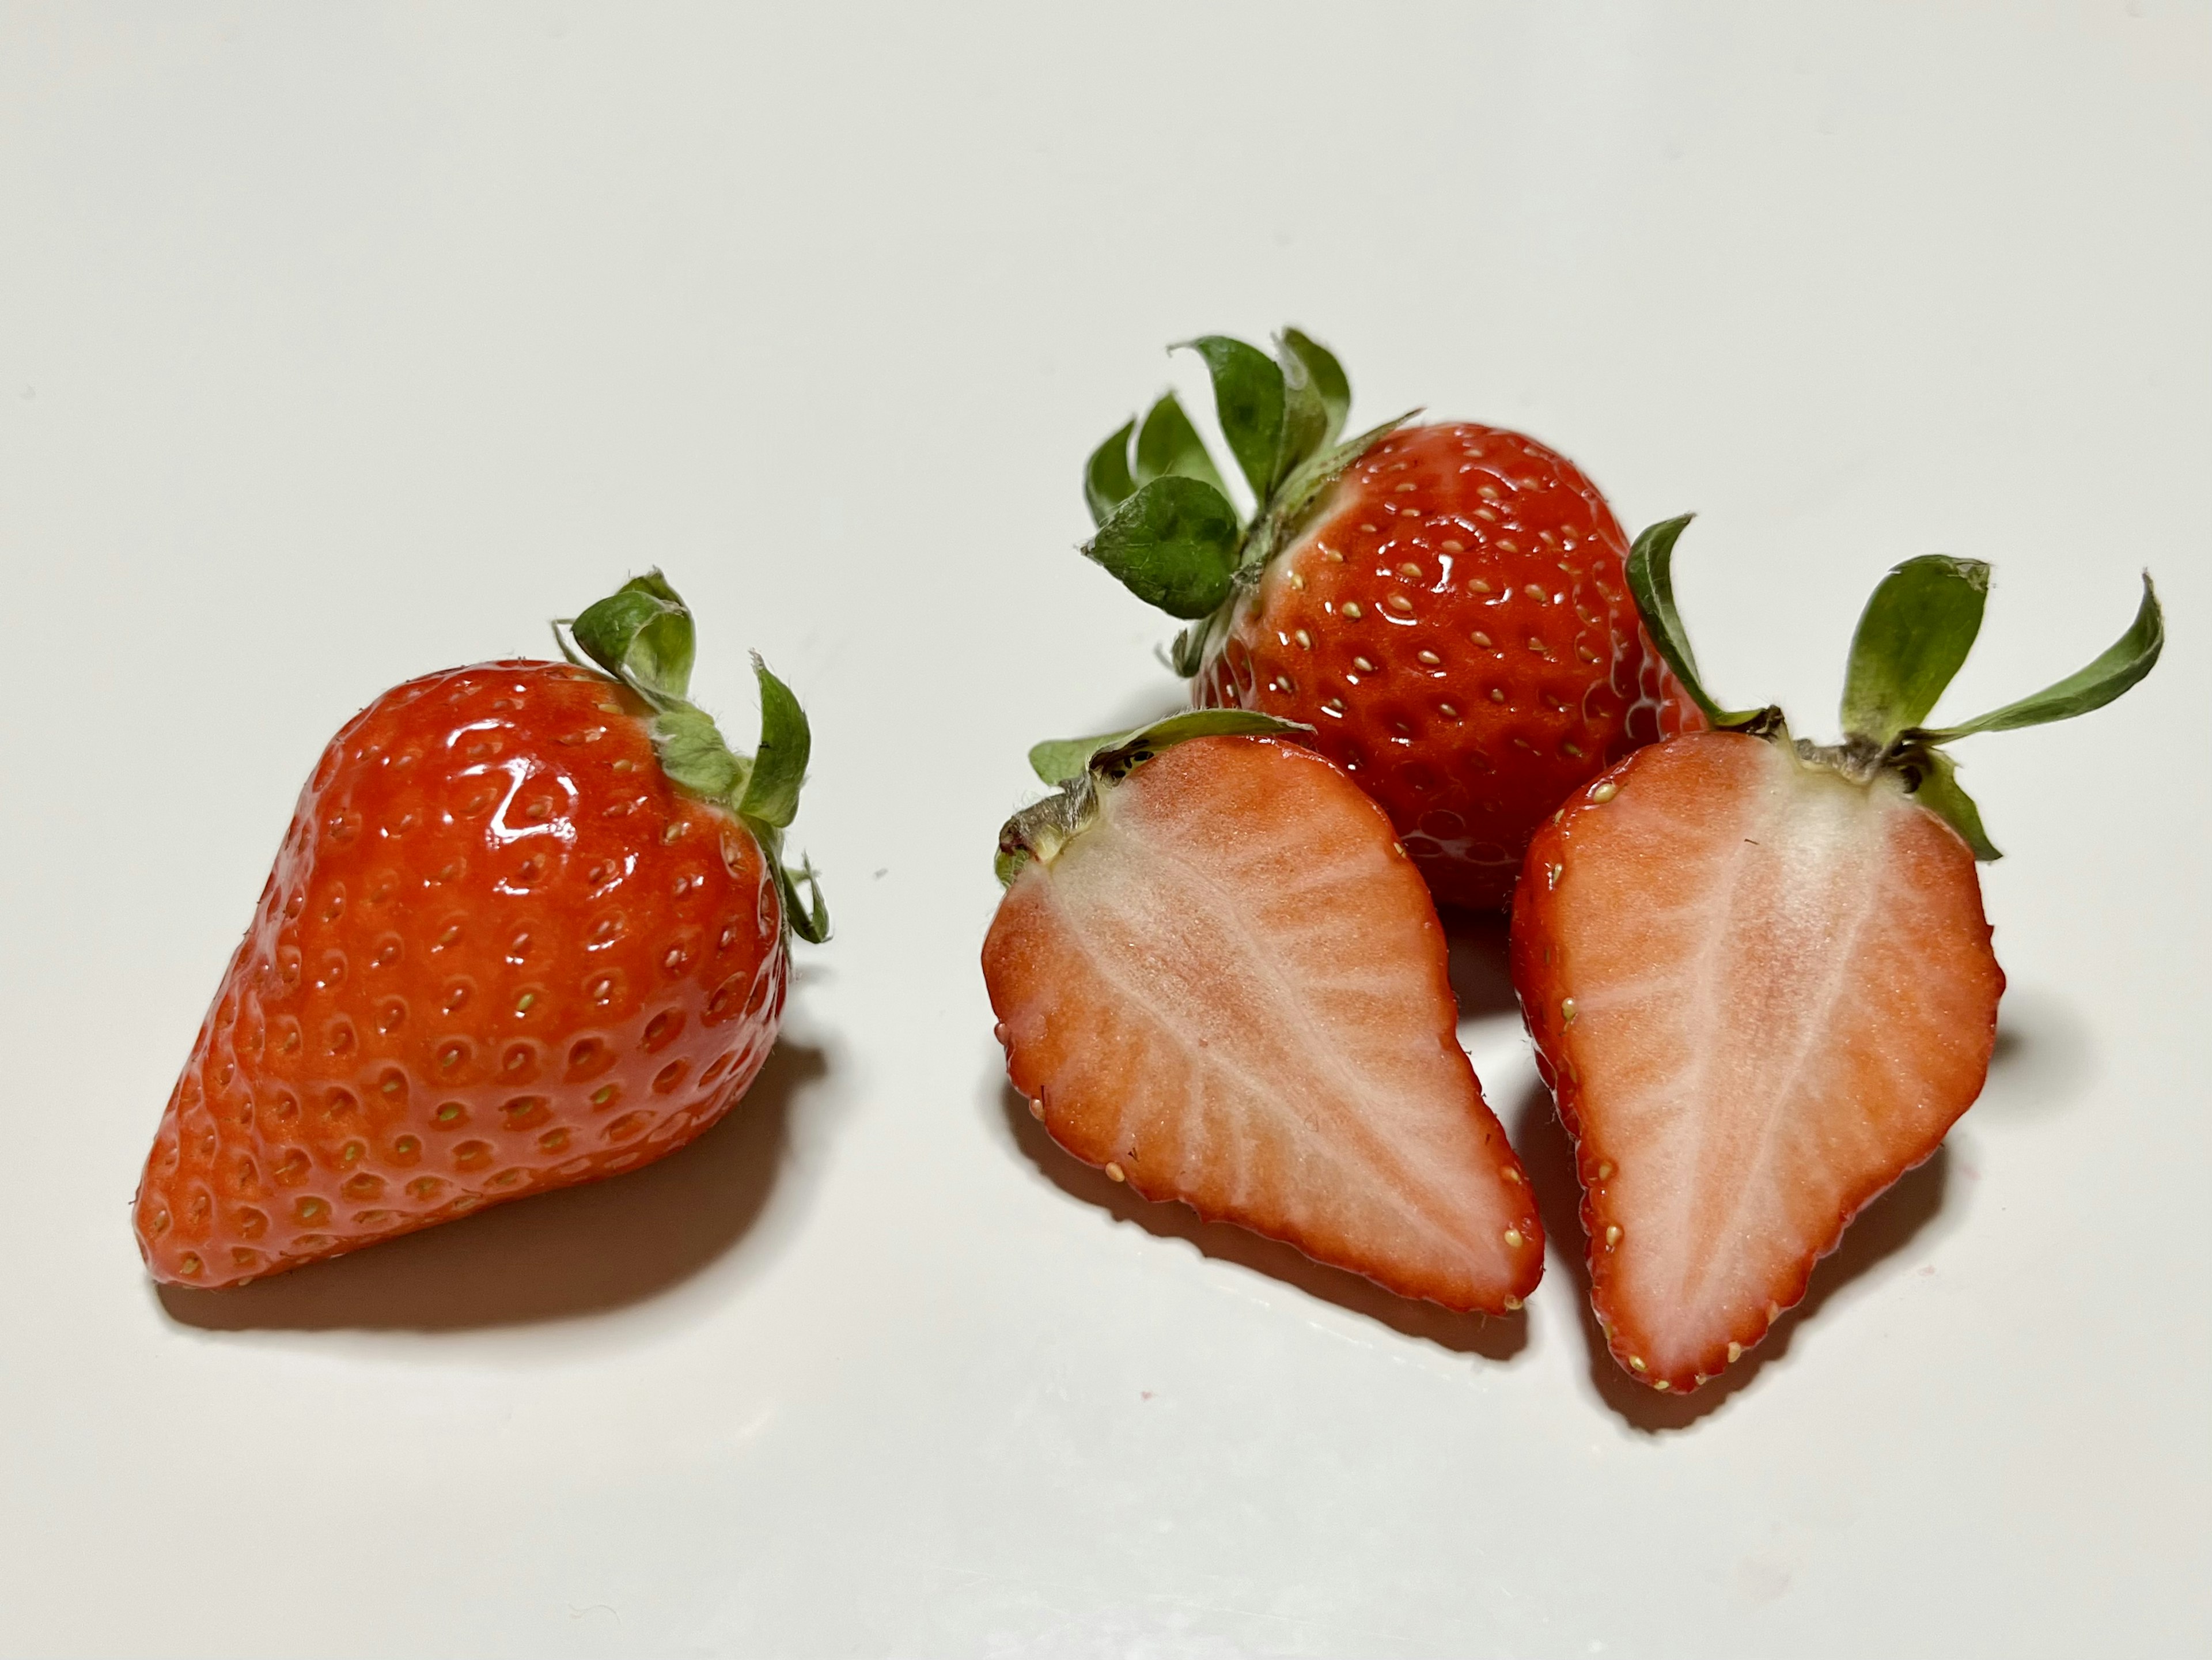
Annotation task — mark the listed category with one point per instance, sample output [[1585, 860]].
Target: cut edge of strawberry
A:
[[1531, 1230], [1633, 1346], [1912, 637], [1078, 766], [1084, 771]]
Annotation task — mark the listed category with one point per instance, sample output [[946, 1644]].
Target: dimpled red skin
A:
[[1456, 625], [500, 953]]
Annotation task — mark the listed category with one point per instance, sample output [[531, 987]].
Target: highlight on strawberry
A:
[[1443, 605], [529, 928], [1757, 971], [1218, 976]]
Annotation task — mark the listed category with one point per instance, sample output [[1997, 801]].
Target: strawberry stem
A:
[[1916, 631], [1912, 639], [1651, 582], [642, 634], [2122, 663], [1166, 528]]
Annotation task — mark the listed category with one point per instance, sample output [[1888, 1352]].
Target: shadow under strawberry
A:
[[1494, 1337], [573, 1252], [1881, 1229], [1481, 974]]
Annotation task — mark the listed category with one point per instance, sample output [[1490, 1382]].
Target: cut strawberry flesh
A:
[[1230, 989], [1762, 993]]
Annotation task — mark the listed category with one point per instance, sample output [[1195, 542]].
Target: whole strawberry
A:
[[1759, 974], [528, 928], [1444, 605]]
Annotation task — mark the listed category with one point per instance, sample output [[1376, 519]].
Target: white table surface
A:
[[340, 344]]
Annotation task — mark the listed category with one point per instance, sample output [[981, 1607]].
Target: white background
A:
[[339, 345]]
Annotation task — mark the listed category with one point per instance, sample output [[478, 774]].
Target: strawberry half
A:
[[1444, 606], [1216, 974], [528, 928], [1759, 974]]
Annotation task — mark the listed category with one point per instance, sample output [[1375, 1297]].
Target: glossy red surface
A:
[[1456, 625], [499, 952]]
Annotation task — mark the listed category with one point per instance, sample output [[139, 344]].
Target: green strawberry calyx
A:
[[1914, 635], [1166, 527], [1082, 769], [643, 636]]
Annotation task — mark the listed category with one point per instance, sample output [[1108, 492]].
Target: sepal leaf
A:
[[1938, 791], [779, 766], [1169, 447], [806, 914], [1917, 630], [1057, 760], [1651, 582], [1187, 654], [1184, 549], [1118, 757], [1305, 419], [693, 753], [2122, 663], [1106, 482], [642, 634], [1173, 545], [1327, 375], [1248, 399]]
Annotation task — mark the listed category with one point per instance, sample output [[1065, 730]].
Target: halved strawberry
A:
[[1217, 975], [1759, 974]]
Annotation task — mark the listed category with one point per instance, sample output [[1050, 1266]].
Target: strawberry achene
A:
[[500, 953], [1454, 623]]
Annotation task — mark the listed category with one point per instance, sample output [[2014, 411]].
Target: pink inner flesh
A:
[[1259, 1021], [1783, 996]]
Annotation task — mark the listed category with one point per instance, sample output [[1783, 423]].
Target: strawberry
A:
[[1759, 974], [1443, 605], [528, 928], [1216, 974]]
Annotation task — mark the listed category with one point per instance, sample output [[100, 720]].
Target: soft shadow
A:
[[1495, 1337], [1481, 963], [553, 1257], [2045, 1056], [1882, 1229]]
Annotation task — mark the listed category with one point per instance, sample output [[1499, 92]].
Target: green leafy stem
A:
[[642, 634], [1912, 637], [1166, 527]]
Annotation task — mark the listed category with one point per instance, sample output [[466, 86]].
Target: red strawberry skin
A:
[[1456, 625], [1760, 993], [1233, 991], [500, 953]]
